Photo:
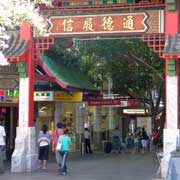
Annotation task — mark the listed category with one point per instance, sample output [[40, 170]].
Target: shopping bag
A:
[[58, 147]]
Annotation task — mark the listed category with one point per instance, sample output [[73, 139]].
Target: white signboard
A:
[[43, 96], [134, 111]]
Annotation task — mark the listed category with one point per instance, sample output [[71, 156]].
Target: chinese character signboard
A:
[[12, 95], [108, 102], [64, 96], [140, 22], [43, 96]]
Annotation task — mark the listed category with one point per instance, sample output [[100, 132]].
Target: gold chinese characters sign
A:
[[102, 24], [64, 96]]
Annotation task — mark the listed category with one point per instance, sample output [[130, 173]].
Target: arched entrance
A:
[[133, 21]]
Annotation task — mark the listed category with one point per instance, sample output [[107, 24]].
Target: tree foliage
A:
[[131, 65]]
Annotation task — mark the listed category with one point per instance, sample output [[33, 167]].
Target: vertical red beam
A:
[[172, 20], [26, 33], [31, 82], [171, 28]]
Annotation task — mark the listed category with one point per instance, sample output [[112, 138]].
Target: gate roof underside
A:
[[17, 47], [9, 74], [172, 47]]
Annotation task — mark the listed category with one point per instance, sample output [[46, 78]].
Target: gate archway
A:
[[72, 19]]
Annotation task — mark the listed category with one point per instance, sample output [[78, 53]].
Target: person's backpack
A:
[[108, 147]]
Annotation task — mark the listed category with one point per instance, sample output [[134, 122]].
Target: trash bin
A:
[[82, 149]]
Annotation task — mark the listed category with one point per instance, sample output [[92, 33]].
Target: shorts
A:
[[117, 144], [43, 152], [144, 143]]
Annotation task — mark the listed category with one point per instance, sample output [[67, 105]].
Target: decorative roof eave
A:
[[53, 73], [17, 47], [172, 47]]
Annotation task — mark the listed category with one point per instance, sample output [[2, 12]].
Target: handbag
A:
[[58, 147]]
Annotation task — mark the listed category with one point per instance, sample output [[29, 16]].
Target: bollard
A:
[[1, 163], [82, 149]]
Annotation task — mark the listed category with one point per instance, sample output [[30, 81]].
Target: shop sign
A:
[[2, 95], [134, 111], [90, 24], [12, 95], [108, 102], [43, 96], [64, 96], [121, 23]]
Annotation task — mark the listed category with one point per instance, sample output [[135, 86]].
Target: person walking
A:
[[2, 147], [44, 140], [144, 140], [87, 141], [55, 136], [154, 139], [65, 142], [116, 140]]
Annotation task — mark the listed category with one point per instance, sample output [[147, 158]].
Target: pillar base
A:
[[24, 157], [170, 141]]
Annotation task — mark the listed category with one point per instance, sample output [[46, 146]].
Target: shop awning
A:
[[67, 77]]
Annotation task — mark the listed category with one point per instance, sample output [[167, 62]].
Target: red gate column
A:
[[24, 157], [171, 131]]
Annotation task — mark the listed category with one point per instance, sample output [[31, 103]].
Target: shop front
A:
[[58, 106], [9, 116], [134, 118]]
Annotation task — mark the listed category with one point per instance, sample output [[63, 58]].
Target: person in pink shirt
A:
[[58, 132]]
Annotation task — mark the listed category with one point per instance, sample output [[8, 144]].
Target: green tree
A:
[[130, 64]]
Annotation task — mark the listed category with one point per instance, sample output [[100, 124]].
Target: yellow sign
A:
[[64, 96]]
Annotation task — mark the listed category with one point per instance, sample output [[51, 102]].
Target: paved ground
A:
[[98, 166]]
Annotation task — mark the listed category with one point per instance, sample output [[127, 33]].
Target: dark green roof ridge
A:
[[72, 77]]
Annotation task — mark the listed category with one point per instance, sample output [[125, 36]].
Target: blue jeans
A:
[[64, 156], [3, 152]]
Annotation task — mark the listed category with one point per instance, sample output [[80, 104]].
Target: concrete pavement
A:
[[98, 166]]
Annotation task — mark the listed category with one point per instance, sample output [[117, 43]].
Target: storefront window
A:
[[46, 115], [68, 119]]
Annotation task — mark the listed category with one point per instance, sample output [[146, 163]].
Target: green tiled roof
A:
[[67, 77], [16, 46]]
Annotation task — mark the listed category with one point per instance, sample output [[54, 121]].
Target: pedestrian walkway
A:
[[98, 166]]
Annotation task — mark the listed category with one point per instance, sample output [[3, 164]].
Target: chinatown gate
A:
[[156, 21]]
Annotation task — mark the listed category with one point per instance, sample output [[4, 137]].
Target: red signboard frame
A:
[[98, 24]]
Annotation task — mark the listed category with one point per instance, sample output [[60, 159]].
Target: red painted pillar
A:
[[27, 34], [172, 19]]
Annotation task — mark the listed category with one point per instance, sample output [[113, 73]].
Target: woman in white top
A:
[[44, 140]]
